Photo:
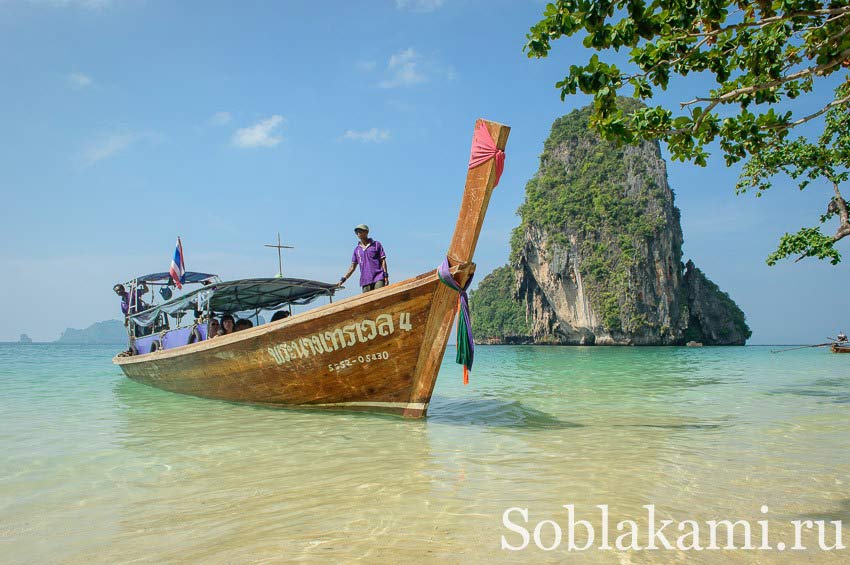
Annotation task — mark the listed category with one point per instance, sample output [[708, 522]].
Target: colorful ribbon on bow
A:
[[465, 343], [484, 149]]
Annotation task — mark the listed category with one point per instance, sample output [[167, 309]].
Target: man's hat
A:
[[363, 227]]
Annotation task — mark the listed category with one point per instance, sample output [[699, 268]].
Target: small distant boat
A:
[[838, 344], [379, 351], [694, 344]]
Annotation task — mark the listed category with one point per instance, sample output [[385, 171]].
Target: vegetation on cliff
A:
[[590, 200], [707, 300], [590, 197], [495, 311]]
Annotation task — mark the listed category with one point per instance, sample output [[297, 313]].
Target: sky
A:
[[124, 124]]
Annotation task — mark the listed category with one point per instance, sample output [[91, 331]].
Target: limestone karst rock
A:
[[597, 258]]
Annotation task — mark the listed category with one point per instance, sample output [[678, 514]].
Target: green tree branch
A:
[[761, 54]]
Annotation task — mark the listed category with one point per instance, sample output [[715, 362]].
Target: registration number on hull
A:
[[359, 360]]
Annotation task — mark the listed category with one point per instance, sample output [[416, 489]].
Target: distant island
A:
[[25, 339], [106, 332]]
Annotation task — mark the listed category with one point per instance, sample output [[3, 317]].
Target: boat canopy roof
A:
[[190, 277], [239, 296]]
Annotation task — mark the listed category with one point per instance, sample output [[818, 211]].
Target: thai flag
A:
[[178, 267]]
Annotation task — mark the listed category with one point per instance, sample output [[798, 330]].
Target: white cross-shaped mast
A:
[[279, 258]]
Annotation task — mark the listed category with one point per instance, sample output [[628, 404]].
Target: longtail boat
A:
[[379, 351], [840, 348]]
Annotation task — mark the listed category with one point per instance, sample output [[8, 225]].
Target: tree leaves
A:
[[759, 54]]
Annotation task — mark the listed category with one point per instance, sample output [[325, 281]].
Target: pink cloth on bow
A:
[[484, 149]]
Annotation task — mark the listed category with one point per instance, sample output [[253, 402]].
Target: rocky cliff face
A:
[[597, 258], [713, 317]]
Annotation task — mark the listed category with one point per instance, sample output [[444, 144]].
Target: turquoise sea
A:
[[97, 468]]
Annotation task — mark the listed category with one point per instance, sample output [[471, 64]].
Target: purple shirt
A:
[[369, 260]]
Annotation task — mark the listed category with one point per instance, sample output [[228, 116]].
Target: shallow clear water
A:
[[98, 468]]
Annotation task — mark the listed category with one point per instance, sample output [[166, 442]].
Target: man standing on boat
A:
[[131, 302], [370, 256]]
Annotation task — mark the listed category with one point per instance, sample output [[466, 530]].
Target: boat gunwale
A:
[[315, 313]]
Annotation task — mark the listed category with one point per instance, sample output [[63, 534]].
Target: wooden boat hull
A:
[[357, 354], [840, 348], [379, 351]]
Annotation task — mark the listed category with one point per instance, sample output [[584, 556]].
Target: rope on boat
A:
[[465, 342]]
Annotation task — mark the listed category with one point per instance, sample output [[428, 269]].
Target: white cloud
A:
[[419, 5], [79, 81], [221, 118], [404, 69], [108, 146], [373, 135], [261, 134]]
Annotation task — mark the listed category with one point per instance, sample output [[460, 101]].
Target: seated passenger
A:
[[243, 324], [280, 315], [227, 324], [213, 328]]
